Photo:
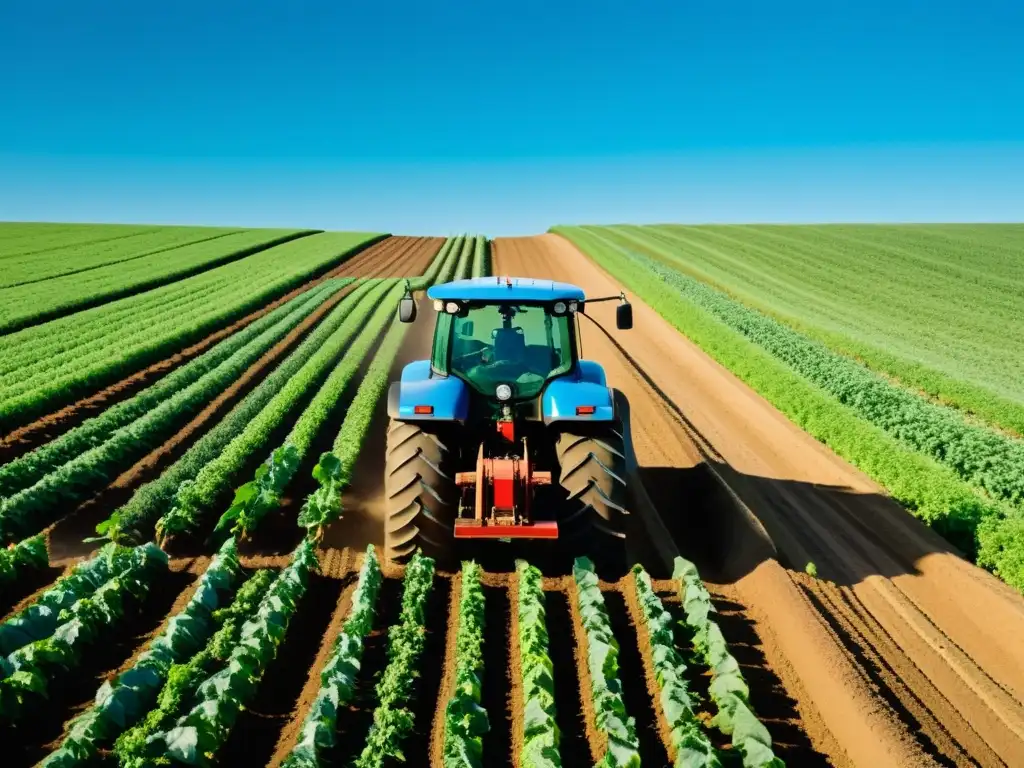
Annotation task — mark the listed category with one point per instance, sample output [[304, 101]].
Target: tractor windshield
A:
[[520, 345]]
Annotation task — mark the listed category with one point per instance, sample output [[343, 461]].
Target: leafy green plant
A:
[[728, 689], [482, 258], [133, 521], [40, 618], [256, 498], [333, 471], [465, 721], [212, 702], [121, 702], [25, 673], [690, 745], [193, 500], [443, 265], [540, 736], [623, 749], [18, 559], [338, 678], [392, 720]]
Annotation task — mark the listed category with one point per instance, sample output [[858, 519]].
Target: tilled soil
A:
[[773, 499]]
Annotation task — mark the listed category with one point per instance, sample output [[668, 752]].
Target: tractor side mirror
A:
[[624, 316], [407, 309]]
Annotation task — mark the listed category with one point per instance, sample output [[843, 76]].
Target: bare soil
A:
[[715, 457]]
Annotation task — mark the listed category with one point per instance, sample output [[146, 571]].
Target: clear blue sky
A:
[[509, 117]]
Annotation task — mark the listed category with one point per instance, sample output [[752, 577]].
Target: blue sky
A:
[[507, 118]]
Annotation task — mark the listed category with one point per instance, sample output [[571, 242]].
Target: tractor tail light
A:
[[426, 410], [585, 410]]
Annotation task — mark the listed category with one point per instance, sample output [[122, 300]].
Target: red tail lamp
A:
[[425, 410], [585, 410]]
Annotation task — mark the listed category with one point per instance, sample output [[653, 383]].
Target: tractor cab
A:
[[494, 409]]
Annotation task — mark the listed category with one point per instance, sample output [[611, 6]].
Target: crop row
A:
[[152, 500], [120, 703], [37, 302], [51, 364], [44, 257], [991, 530], [196, 498], [28, 238], [338, 678], [118, 441], [465, 720], [50, 634], [18, 560]]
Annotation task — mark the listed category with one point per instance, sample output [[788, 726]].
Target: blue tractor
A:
[[505, 405]]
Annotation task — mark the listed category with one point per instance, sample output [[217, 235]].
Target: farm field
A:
[[193, 536], [933, 306]]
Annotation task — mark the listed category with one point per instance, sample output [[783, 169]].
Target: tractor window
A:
[[520, 345]]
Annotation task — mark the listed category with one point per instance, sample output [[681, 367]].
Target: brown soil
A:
[[290, 732], [715, 457], [46, 428], [515, 669], [500, 671], [444, 692]]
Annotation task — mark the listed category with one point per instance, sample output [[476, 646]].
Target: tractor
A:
[[502, 413]]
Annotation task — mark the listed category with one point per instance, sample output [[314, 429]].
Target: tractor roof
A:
[[499, 288]]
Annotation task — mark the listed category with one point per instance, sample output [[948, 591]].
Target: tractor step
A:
[[472, 529]]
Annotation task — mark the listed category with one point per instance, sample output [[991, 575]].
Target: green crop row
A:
[[255, 499], [44, 256], [196, 498], [29, 238], [334, 469], [30, 509], [540, 735], [622, 749], [39, 301], [120, 703], [39, 619], [50, 365], [30, 468], [970, 520], [130, 522], [690, 745], [987, 459], [445, 266], [465, 720], [27, 555], [25, 672], [338, 678], [728, 689], [392, 720], [482, 258], [199, 707]]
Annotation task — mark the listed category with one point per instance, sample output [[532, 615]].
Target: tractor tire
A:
[[592, 470], [422, 498]]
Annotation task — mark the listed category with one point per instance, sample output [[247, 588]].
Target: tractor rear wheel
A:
[[592, 470], [422, 498]]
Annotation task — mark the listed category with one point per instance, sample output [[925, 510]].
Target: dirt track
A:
[[900, 653]]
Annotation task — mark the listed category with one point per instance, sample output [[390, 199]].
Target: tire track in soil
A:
[[28, 742], [941, 733], [640, 705], [255, 735], [354, 720], [499, 668], [45, 428]]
